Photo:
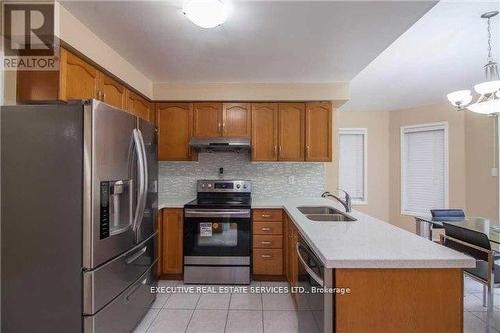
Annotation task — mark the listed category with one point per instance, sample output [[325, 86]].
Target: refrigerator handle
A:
[[143, 197], [139, 209]]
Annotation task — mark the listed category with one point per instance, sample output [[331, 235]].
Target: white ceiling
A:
[[444, 51], [262, 41]]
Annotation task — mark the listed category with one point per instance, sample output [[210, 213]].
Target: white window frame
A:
[[364, 132], [443, 125]]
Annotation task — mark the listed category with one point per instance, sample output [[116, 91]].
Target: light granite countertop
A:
[[365, 243]]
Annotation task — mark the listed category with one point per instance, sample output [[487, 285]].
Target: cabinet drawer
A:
[[268, 261], [267, 215], [268, 241], [267, 228]]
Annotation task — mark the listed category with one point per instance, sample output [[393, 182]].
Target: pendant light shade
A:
[[489, 100]]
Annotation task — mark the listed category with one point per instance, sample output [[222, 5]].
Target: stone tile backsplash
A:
[[269, 179]]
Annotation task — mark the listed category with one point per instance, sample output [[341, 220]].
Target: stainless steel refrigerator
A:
[[78, 214]]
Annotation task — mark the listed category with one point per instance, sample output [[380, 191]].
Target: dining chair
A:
[[477, 245]]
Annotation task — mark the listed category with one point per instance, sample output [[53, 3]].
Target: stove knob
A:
[[245, 186], [202, 185], [238, 186], [209, 185]]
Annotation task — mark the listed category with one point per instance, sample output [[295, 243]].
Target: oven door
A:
[[216, 233]]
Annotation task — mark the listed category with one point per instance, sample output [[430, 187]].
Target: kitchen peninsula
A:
[[389, 271]]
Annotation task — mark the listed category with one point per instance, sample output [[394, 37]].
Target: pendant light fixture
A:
[[488, 101], [206, 13]]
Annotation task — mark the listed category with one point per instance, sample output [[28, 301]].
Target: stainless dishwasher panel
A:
[[127, 310], [315, 308], [108, 281]]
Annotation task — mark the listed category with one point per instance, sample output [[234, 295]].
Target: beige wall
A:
[[377, 125], [482, 194], [337, 92], [471, 140]]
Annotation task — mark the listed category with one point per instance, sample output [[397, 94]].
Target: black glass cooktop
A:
[[220, 203]]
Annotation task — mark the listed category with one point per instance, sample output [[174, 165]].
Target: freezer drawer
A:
[[106, 282], [125, 311]]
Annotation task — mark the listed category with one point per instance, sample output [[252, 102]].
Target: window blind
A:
[[352, 163], [424, 169]]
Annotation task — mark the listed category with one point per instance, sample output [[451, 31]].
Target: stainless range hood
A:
[[220, 144]]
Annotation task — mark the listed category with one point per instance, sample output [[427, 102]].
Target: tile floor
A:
[[266, 313]]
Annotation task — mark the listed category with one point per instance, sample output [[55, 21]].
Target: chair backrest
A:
[[468, 236], [453, 213]]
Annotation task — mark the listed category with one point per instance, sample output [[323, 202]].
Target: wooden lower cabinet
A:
[[267, 242], [399, 300], [171, 241]]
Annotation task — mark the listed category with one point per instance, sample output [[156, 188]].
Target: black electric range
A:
[[217, 233]]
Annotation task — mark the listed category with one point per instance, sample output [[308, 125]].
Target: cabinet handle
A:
[[307, 151], [275, 150], [266, 215], [265, 243], [280, 149], [266, 256], [103, 96], [220, 127], [266, 229]]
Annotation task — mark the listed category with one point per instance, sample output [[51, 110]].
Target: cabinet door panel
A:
[[113, 93], [236, 119], [172, 235], [207, 119], [139, 106], [78, 79], [174, 131], [264, 131], [319, 132], [291, 131]]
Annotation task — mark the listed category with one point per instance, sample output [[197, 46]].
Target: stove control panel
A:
[[223, 185]]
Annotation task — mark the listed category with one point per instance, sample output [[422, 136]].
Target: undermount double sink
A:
[[325, 214]]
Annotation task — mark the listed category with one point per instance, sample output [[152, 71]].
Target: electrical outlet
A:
[[494, 172], [291, 180]]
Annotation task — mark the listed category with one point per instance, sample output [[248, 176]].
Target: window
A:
[[424, 168], [353, 163]]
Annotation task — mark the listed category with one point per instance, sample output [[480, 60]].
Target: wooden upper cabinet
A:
[[207, 119], [264, 131], [77, 78], [139, 106], [291, 131], [175, 123], [112, 92], [236, 119], [319, 131]]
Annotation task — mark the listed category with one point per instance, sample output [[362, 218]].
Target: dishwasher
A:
[[315, 307]]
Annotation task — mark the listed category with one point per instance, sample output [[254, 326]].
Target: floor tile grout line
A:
[[262, 311], [192, 313], [227, 313], [153, 320]]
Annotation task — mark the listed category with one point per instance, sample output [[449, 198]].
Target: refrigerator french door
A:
[[116, 176], [78, 199]]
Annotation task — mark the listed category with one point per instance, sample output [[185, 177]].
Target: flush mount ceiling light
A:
[[489, 100], [205, 13]]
